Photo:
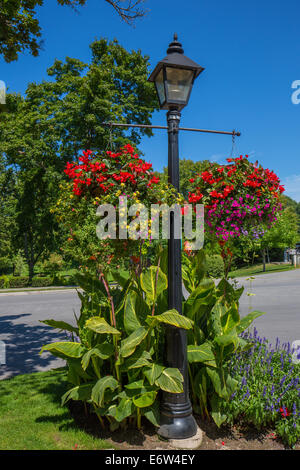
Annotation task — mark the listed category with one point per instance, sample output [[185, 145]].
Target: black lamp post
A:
[[174, 77]]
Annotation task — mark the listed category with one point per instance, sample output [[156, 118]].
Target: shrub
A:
[[20, 265], [268, 391], [215, 266], [18, 282], [116, 365], [53, 264], [4, 282], [42, 281]]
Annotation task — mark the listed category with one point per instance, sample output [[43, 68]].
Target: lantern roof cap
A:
[[176, 58]]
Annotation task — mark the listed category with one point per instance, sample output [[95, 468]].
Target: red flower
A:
[[284, 412]]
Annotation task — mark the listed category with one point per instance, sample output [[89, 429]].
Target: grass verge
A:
[[258, 269], [32, 418]]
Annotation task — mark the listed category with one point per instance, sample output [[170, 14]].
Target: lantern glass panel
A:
[[159, 82], [179, 82]]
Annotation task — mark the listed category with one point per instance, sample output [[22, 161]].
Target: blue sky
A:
[[250, 51]]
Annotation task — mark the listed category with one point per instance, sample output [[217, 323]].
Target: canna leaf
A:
[[145, 400], [247, 320], [61, 325], [81, 393], [103, 351], [153, 282], [153, 372], [65, 349], [129, 344], [135, 310], [170, 380], [172, 317], [107, 382], [100, 325], [203, 353]]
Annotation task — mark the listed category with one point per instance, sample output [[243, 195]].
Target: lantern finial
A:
[[175, 46]]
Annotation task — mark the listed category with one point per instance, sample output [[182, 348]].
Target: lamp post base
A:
[[178, 428]]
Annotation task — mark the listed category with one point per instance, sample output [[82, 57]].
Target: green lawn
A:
[[258, 269], [31, 417]]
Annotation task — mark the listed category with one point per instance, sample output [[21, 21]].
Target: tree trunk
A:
[[29, 255], [268, 256], [263, 251]]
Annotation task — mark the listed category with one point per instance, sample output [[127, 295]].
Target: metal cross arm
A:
[[149, 126]]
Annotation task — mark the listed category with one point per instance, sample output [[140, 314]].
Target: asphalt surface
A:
[[276, 294]]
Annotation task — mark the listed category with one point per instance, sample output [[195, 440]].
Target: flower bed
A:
[[269, 388]]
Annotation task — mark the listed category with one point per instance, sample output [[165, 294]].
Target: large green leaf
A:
[[247, 320], [153, 414], [215, 324], [216, 411], [203, 353], [170, 380], [121, 411], [172, 317], [100, 325], [135, 385], [61, 325], [103, 351], [231, 318], [76, 372], [107, 382], [137, 360], [145, 399], [81, 392], [153, 372], [217, 377], [129, 344], [225, 340], [222, 381], [153, 282], [135, 311], [65, 349]]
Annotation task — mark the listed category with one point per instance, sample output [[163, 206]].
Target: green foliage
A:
[[4, 282], [19, 263], [42, 281], [18, 282], [52, 123], [53, 264], [116, 366], [187, 169], [215, 266], [20, 29], [268, 391], [214, 310]]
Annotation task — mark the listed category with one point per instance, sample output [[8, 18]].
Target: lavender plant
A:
[[269, 388]]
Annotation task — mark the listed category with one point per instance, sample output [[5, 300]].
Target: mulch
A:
[[237, 437]]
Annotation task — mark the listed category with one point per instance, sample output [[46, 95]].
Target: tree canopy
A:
[[20, 29], [59, 118]]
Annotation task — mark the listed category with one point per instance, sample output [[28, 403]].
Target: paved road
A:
[[277, 294], [23, 333]]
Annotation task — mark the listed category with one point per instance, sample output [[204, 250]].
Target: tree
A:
[[283, 234], [7, 215], [55, 120], [289, 202], [20, 29], [187, 169]]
